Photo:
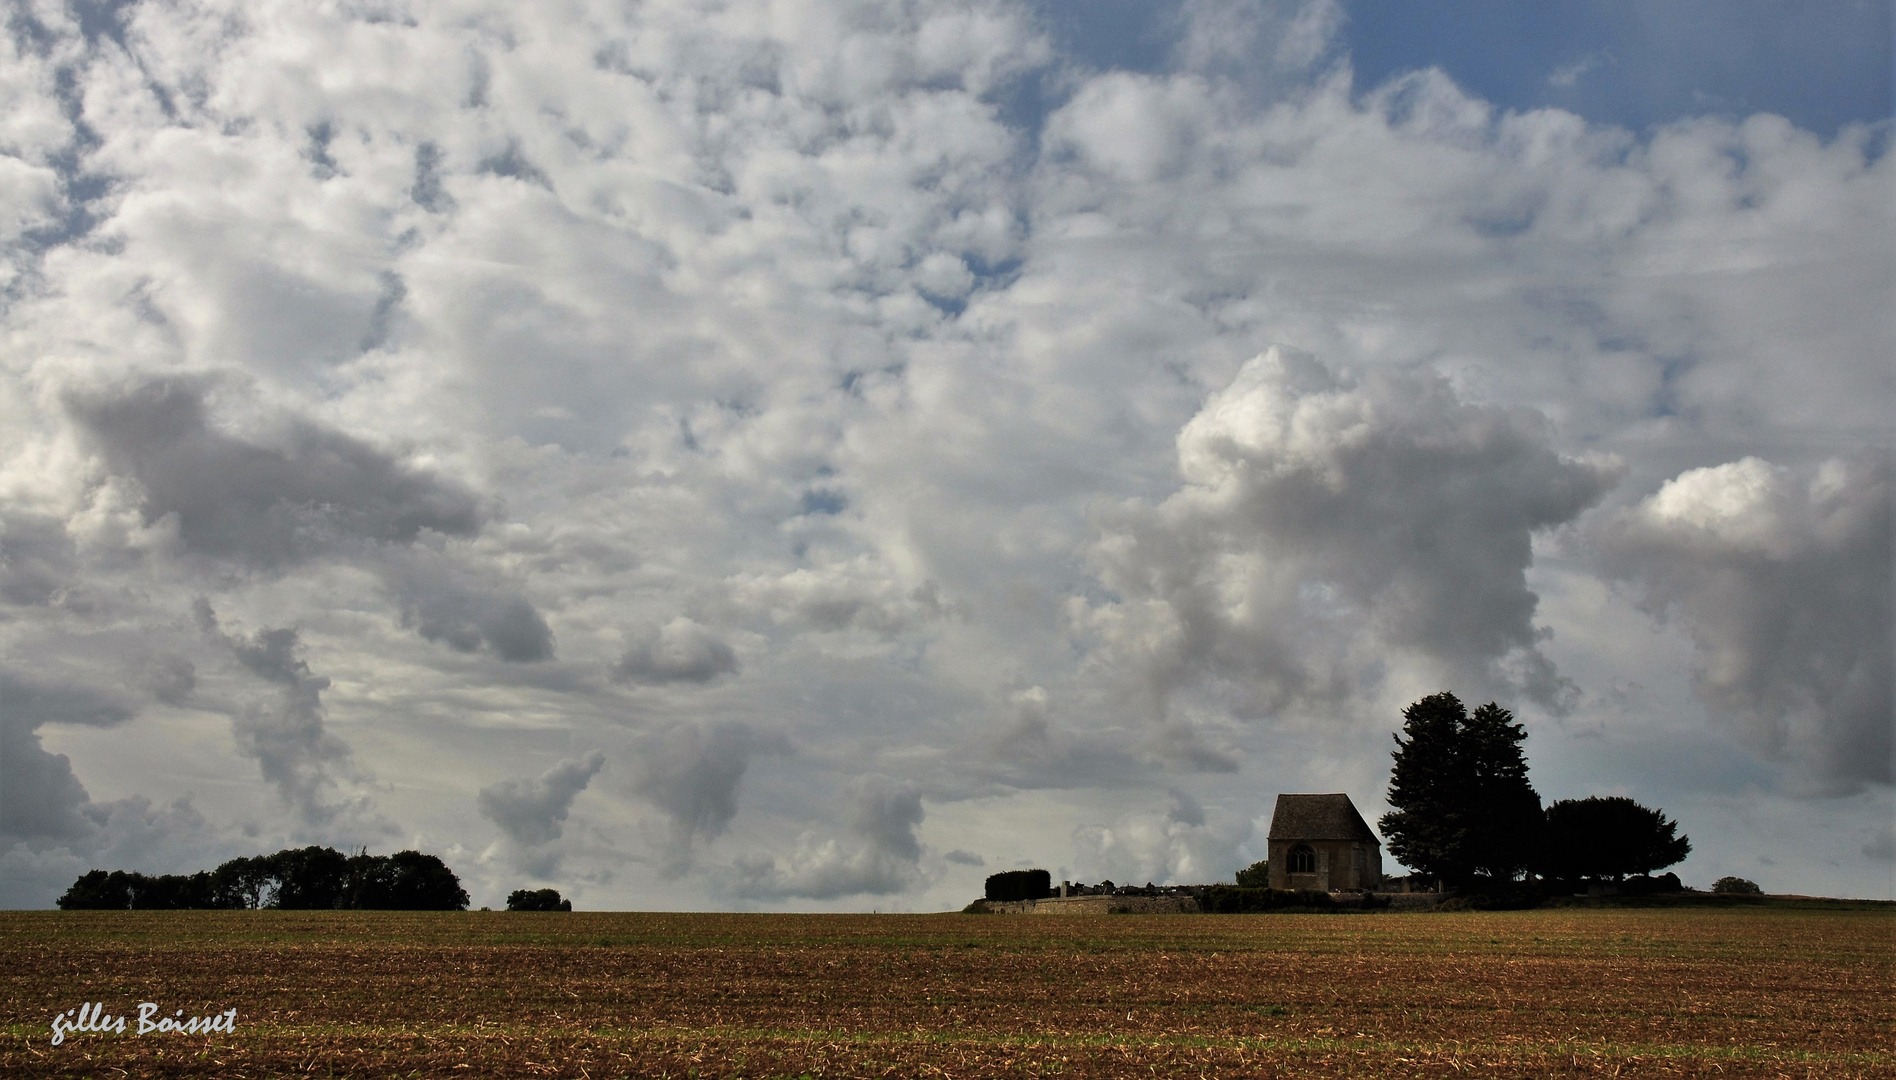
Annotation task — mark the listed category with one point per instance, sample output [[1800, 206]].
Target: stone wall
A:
[[1097, 905]]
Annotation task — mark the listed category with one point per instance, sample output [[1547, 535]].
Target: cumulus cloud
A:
[[532, 811], [1326, 521], [36, 559], [876, 854], [680, 651], [51, 829], [40, 798], [858, 594], [906, 354], [262, 505], [1176, 845], [305, 762], [1783, 579], [464, 608], [692, 772]]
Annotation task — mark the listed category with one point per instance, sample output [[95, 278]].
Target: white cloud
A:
[[1783, 580], [877, 853], [1329, 525], [534, 366]]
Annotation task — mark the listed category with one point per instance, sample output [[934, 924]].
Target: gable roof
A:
[[1319, 817]]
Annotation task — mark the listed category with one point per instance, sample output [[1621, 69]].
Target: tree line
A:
[[294, 879], [1463, 811]]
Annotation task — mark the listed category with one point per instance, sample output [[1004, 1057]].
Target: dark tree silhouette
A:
[[309, 879], [1255, 876], [98, 890], [303, 879], [1607, 838], [537, 900], [1019, 885], [1462, 810], [1506, 821], [246, 883], [404, 881]]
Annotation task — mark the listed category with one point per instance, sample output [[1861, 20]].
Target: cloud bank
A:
[[882, 432]]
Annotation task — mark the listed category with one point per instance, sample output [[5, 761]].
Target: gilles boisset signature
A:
[[91, 1017]]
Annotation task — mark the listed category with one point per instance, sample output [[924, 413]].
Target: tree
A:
[[245, 883], [1505, 832], [1607, 838], [537, 900], [1255, 876], [1019, 885], [97, 890], [308, 879], [1462, 810], [1736, 886], [404, 881]]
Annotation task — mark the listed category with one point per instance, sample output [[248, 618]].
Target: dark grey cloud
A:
[[964, 858], [427, 191], [876, 854], [447, 602], [692, 772], [171, 679], [311, 491], [1028, 748], [1882, 845], [680, 651], [532, 810], [40, 798], [36, 558], [1783, 579], [294, 750]]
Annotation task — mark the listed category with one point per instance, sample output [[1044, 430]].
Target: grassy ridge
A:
[[1752, 991]]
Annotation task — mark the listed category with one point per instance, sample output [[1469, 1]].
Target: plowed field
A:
[[1556, 993]]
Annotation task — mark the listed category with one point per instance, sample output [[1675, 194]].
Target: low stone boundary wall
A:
[[1097, 905], [1187, 905]]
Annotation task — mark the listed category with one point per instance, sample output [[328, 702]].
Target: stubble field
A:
[[1756, 992]]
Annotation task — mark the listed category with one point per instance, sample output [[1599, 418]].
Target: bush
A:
[[1255, 876], [1651, 886], [1736, 886], [1227, 900], [1019, 885], [537, 900]]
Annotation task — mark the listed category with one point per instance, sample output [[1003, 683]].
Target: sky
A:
[[811, 455]]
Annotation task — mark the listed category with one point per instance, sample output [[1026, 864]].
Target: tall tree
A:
[[1506, 821], [1427, 824], [1462, 809], [1609, 837]]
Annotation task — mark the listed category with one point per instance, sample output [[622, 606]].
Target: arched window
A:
[[1303, 859]]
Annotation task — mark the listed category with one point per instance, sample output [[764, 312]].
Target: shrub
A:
[[1019, 885], [1255, 876], [537, 900], [1227, 900], [1736, 886]]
